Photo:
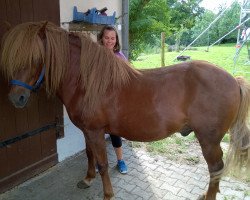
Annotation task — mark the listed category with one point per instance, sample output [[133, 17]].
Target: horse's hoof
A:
[[201, 197], [82, 185]]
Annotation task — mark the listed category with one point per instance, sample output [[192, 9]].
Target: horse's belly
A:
[[145, 137], [146, 113], [145, 129]]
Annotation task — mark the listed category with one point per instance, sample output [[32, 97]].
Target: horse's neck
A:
[[70, 82]]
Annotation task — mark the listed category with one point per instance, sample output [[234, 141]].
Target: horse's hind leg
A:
[[213, 154], [91, 173]]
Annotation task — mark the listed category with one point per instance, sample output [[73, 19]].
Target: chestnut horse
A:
[[103, 93]]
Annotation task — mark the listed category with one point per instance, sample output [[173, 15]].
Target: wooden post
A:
[[162, 49]]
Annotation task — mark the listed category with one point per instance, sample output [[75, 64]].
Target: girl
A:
[[108, 37]]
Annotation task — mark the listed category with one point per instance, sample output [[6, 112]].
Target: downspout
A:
[[125, 27]]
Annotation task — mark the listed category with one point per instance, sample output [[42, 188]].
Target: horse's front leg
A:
[[97, 151], [91, 173]]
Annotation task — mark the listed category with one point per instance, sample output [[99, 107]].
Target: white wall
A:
[[74, 141]]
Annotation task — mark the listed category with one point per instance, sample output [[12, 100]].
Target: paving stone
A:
[[171, 196], [139, 175], [163, 164], [155, 181], [142, 184], [197, 183], [125, 186], [142, 193], [155, 198], [167, 179], [183, 185], [145, 158], [127, 178], [234, 193], [180, 177], [170, 188], [192, 175], [197, 190], [187, 195], [159, 193], [123, 194], [149, 178], [229, 184], [202, 171], [178, 170], [168, 173], [204, 179], [160, 169], [135, 166], [151, 172], [151, 166]]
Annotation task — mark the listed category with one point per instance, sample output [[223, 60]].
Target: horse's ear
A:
[[41, 32]]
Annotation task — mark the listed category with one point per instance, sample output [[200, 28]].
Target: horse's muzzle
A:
[[19, 100]]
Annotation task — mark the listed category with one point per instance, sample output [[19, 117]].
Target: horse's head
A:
[[30, 52], [23, 83], [22, 61]]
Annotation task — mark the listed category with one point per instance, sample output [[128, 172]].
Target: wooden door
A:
[[27, 136]]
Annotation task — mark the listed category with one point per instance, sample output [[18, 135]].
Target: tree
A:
[[184, 12], [202, 22], [178, 37], [148, 18], [228, 21]]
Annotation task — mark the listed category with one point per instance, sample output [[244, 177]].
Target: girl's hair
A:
[[117, 46]]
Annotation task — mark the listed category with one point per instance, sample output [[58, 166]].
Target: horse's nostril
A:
[[21, 99]]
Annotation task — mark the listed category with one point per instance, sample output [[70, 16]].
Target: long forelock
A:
[[23, 48], [20, 48]]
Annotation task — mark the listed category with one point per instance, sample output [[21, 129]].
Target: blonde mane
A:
[[100, 69], [22, 47]]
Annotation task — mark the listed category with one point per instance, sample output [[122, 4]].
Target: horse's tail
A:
[[238, 156]]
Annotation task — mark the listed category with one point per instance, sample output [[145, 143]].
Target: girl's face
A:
[[109, 39]]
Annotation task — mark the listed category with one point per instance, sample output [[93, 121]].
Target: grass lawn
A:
[[177, 147], [222, 56]]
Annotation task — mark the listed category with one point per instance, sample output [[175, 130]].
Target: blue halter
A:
[[33, 88]]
